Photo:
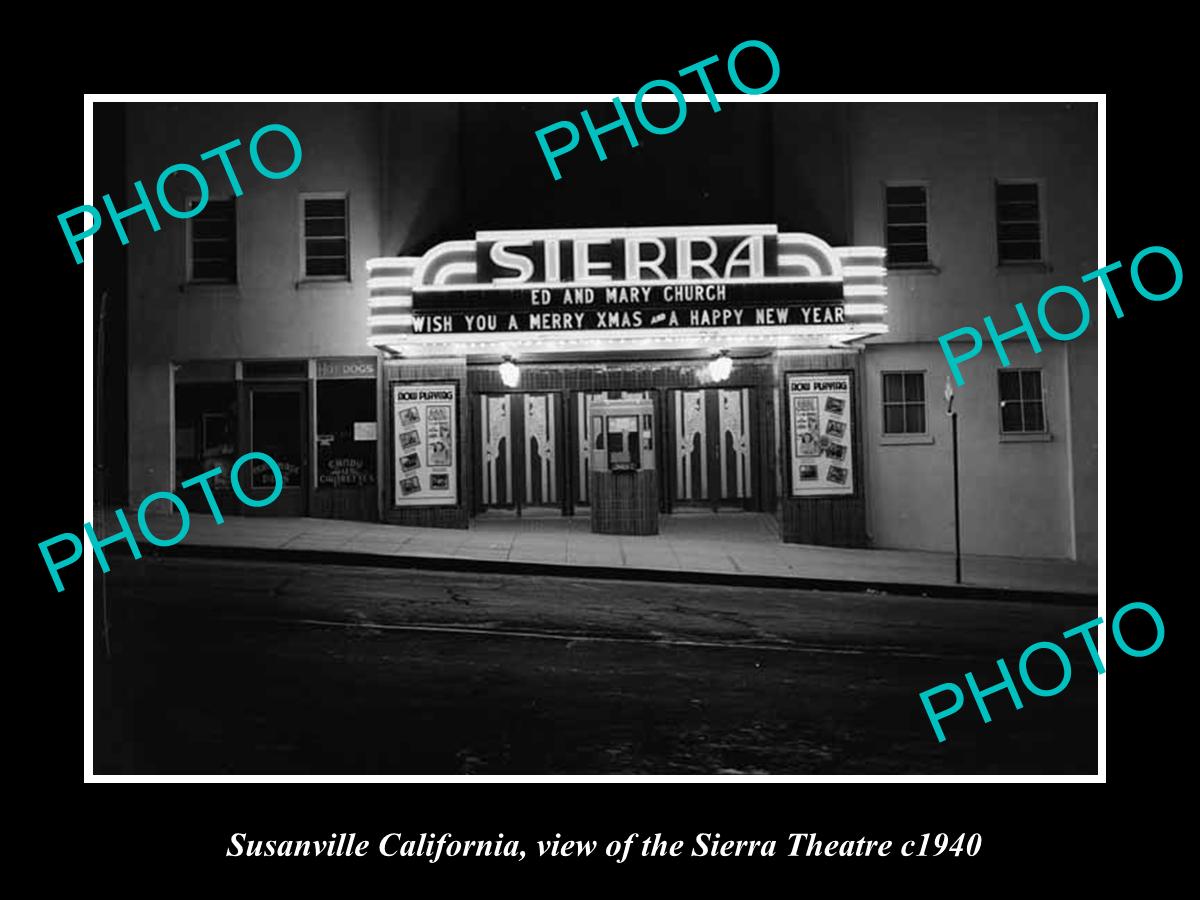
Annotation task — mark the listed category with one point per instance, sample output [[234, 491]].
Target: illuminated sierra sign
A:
[[590, 257], [680, 284]]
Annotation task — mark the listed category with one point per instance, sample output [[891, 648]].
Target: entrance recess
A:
[[519, 448], [711, 453]]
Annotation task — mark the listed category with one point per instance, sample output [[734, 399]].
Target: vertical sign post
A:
[[949, 394]]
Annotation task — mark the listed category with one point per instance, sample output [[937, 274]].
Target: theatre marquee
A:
[[626, 288]]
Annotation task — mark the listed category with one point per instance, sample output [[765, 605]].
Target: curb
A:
[[625, 573]]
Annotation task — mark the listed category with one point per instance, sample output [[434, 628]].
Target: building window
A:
[[206, 428], [904, 403], [326, 251], [1022, 406], [212, 242], [907, 222], [345, 443], [1019, 221]]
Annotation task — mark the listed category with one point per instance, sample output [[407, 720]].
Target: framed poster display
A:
[[426, 457], [819, 436]]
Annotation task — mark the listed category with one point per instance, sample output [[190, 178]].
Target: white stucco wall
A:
[[269, 313]]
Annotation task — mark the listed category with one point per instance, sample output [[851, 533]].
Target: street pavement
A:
[[238, 667]]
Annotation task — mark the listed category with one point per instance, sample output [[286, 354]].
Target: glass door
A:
[[519, 438], [279, 428], [712, 463]]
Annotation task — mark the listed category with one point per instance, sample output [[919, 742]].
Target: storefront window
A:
[[206, 418], [346, 433]]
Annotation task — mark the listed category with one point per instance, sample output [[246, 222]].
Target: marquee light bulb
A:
[[720, 368], [510, 373]]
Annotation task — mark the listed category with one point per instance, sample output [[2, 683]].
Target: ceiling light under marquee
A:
[[510, 373], [720, 368]]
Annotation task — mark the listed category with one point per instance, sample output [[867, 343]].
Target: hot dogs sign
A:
[[426, 462], [822, 461]]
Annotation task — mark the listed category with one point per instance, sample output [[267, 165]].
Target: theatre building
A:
[[422, 327]]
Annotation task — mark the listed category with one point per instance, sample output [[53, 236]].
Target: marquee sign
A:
[[510, 290]]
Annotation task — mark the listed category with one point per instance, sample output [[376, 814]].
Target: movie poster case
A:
[[426, 458], [820, 439]]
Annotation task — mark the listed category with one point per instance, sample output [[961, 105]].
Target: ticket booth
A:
[[624, 478]]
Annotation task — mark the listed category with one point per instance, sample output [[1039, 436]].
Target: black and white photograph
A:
[[643, 462]]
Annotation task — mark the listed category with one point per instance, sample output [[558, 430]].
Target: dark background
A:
[[1033, 834]]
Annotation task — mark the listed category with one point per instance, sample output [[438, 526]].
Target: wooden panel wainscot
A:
[[624, 502]]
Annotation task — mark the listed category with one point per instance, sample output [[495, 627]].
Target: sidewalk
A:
[[733, 548]]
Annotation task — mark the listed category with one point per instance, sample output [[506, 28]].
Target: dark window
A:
[[326, 238], [903, 402], [1018, 221], [345, 445], [206, 426], [1022, 407], [214, 242], [907, 225]]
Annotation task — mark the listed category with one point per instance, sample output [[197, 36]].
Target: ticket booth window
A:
[[623, 435]]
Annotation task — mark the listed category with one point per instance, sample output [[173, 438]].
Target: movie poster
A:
[[820, 448], [425, 416]]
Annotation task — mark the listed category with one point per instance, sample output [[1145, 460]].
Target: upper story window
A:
[[326, 237], [1022, 405], [1019, 230], [212, 242], [907, 224], [904, 403]]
